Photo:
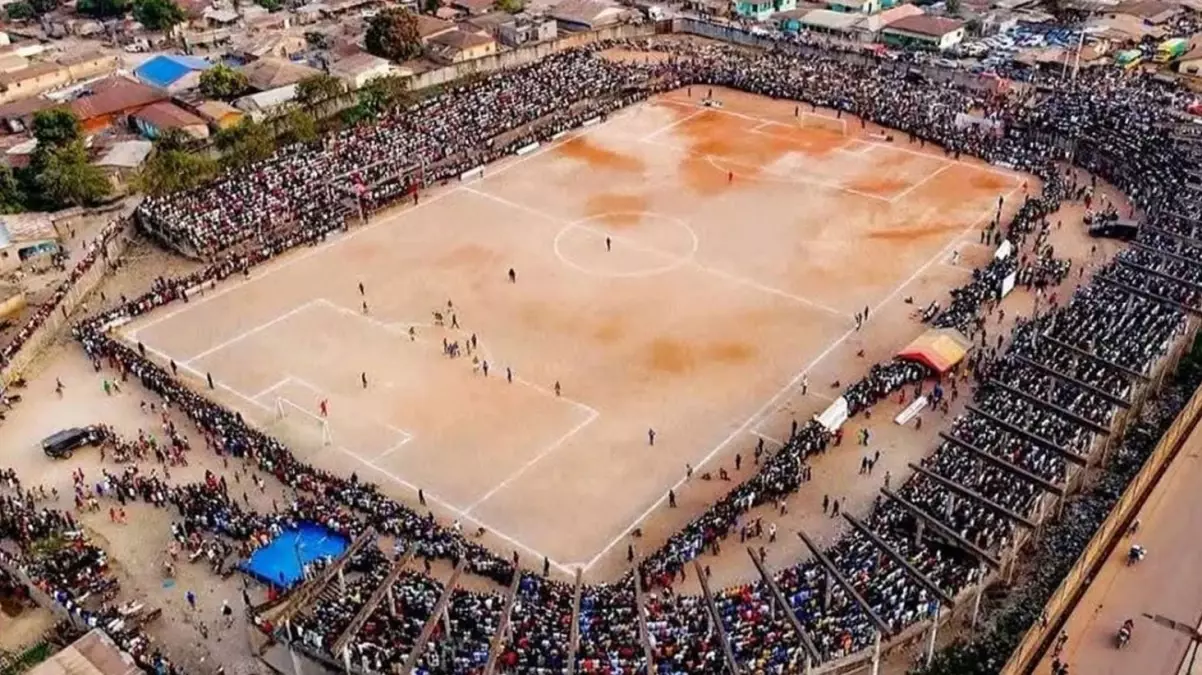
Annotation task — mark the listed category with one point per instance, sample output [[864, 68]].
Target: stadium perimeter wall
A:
[[57, 320], [1064, 599]]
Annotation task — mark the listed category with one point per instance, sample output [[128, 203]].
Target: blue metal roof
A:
[[165, 69]]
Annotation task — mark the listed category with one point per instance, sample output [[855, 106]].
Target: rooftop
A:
[[114, 94], [461, 39], [271, 72], [166, 69], [126, 154], [92, 654], [934, 26], [167, 115], [829, 19]]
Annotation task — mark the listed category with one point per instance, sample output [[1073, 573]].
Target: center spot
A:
[[640, 243]]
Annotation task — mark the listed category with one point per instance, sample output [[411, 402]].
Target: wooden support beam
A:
[[945, 531], [377, 595], [835, 574], [498, 640], [1026, 435], [1157, 273], [716, 620], [811, 652], [1148, 295], [1003, 464], [1097, 391], [313, 588], [975, 496], [898, 558], [419, 646], [1173, 255], [1169, 233], [1131, 374], [574, 633], [1056, 408], [641, 604]]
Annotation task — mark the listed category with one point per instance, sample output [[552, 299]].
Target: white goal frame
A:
[[285, 408]]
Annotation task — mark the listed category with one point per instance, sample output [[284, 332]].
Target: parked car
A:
[[62, 444]]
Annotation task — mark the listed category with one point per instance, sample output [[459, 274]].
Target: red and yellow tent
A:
[[939, 349]]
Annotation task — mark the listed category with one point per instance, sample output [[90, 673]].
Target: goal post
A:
[[302, 419]]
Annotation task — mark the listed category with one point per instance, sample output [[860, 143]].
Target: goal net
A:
[[307, 426]]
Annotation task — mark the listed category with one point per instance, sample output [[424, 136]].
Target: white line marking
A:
[[272, 388], [654, 251], [771, 403], [769, 438], [247, 333], [677, 123], [929, 177], [768, 289], [593, 414], [334, 238], [431, 498]]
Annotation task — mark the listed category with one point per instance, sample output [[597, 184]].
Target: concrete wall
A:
[[45, 334]]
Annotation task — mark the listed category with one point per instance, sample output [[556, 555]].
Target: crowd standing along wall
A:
[[53, 323]]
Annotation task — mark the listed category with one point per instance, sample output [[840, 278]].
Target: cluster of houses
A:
[[128, 86]]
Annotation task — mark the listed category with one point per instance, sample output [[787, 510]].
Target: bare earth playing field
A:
[[744, 239]]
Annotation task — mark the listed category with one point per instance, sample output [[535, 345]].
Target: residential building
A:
[[266, 103], [39, 77], [271, 72], [585, 15], [108, 101], [123, 159], [473, 7], [527, 29], [282, 45], [173, 72], [855, 6], [830, 22], [218, 114], [93, 653], [928, 32], [340, 7], [761, 10], [458, 46], [359, 69], [25, 238], [429, 27], [870, 27], [221, 18], [156, 119]]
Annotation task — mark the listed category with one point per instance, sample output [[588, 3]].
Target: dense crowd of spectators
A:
[[1103, 338], [52, 552]]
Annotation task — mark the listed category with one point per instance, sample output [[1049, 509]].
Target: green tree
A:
[[317, 40], [244, 144], [297, 126], [102, 9], [12, 197], [158, 14], [384, 93], [431, 6], [271, 5], [511, 6], [43, 6], [19, 11], [953, 7], [393, 34], [172, 167], [67, 179], [55, 128], [222, 82], [318, 89]]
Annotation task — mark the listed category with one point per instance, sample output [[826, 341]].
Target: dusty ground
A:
[[717, 295], [737, 241], [1165, 583]]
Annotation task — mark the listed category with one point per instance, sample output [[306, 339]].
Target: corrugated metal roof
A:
[[831, 20]]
